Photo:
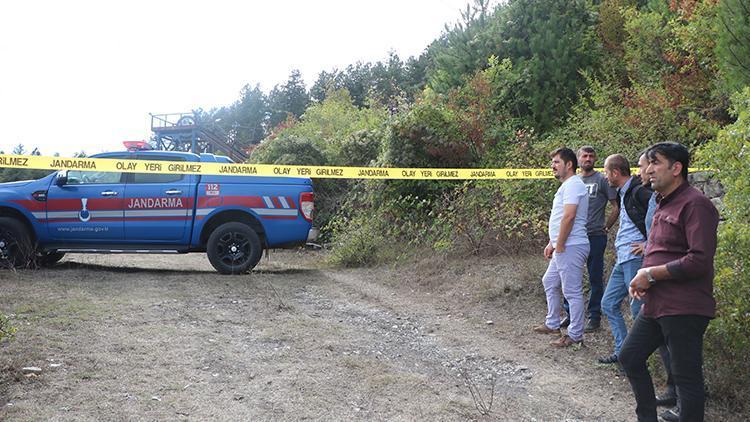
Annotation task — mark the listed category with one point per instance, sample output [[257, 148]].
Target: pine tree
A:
[[463, 48], [550, 42], [733, 44], [290, 99]]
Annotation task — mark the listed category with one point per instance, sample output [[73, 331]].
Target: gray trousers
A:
[[565, 272]]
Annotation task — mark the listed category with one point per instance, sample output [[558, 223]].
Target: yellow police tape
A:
[[38, 162]]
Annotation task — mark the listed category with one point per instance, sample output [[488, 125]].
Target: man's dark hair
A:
[[673, 152], [618, 162], [586, 148], [567, 155]]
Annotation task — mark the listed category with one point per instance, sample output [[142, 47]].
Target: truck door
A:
[[158, 207], [88, 207]]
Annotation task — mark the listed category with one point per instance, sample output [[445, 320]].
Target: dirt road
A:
[[164, 337]]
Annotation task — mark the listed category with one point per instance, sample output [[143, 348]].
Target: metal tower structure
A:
[[185, 132]]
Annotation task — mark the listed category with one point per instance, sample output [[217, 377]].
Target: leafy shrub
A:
[[358, 241], [601, 120], [625, 121], [376, 225], [458, 128], [489, 217], [429, 135], [329, 125], [289, 150], [6, 330], [333, 132], [647, 33], [361, 148], [373, 228], [728, 336], [471, 126]]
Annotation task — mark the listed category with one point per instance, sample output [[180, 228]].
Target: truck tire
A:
[[233, 248], [49, 259], [15, 244]]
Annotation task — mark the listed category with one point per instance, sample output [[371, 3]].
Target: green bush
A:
[[600, 120], [647, 34], [373, 228], [378, 224], [6, 330], [361, 148], [728, 336], [470, 126], [333, 132], [358, 241], [489, 217], [428, 135], [331, 124], [289, 150]]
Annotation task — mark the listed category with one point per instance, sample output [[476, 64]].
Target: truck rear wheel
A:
[[234, 248], [15, 244], [48, 259]]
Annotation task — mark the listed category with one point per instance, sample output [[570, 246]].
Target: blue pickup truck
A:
[[231, 218]]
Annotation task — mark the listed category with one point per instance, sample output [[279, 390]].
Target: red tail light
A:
[[307, 205]]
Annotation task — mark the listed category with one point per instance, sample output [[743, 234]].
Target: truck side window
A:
[[156, 178], [77, 177]]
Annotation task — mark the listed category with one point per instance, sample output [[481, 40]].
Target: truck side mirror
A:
[[62, 178]]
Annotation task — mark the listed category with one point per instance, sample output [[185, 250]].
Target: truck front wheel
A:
[[233, 248], [15, 244]]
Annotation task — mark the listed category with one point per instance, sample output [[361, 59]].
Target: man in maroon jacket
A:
[[676, 285]]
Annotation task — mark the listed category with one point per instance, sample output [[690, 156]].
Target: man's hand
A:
[[548, 251], [560, 249], [637, 248], [639, 284]]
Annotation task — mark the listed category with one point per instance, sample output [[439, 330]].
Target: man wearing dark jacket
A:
[[669, 396], [676, 284], [633, 206]]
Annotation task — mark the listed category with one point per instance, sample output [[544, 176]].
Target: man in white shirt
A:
[[567, 250]]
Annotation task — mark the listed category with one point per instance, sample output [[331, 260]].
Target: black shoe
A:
[[607, 360], [565, 322], [670, 415], [592, 326], [667, 399]]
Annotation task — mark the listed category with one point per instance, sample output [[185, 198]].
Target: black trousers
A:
[[664, 352], [683, 335]]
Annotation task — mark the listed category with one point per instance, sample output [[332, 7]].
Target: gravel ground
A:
[[164, 337]]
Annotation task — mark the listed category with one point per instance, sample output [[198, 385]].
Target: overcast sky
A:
[[83, 75]]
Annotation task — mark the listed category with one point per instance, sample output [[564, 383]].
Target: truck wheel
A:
[[15, 244], [48, 259], [233, 248]]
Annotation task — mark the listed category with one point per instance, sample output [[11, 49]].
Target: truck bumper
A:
[[313, 234]]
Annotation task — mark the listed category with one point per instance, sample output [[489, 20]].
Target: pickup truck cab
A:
[[231, 218]]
